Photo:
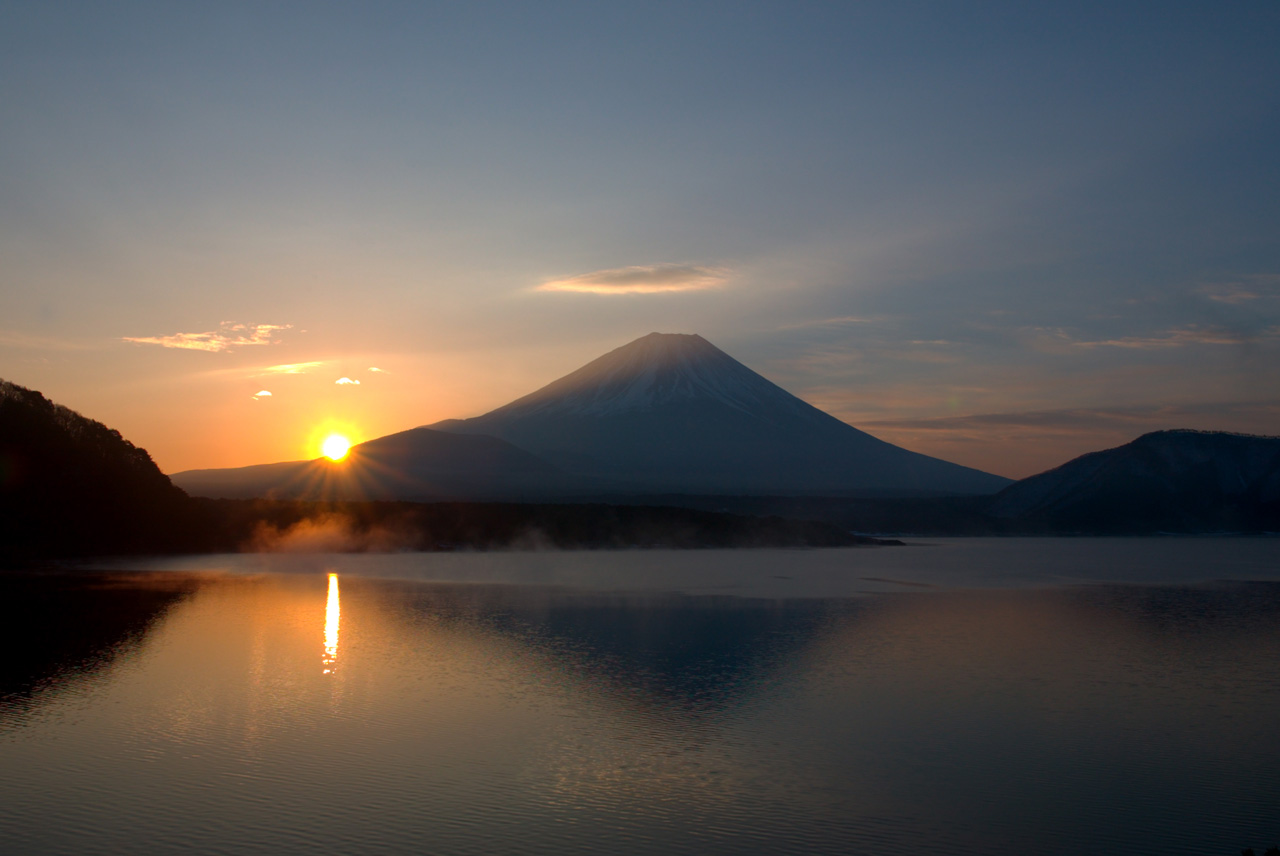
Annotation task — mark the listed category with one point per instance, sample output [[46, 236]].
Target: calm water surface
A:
[[978, 696]]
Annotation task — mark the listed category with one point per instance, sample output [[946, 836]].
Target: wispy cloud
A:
[[839, 321], [1090, 420], [1232, 294], [227, 336], [290, 368], [1250, 288], [378, 370], [25, 341], [1182, 336], [641, 279], [1018, 444], [343, 381], [262, 393]]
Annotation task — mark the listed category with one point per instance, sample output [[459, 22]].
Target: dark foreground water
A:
[[1043, 696]]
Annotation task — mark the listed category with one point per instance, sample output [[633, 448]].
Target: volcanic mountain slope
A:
[[673, 413], [416, 464], [1175, 481]]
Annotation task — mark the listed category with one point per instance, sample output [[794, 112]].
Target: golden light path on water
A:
[[332, 615]]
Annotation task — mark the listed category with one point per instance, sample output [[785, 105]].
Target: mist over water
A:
[[986, 697], [933, 563], [327, 533]]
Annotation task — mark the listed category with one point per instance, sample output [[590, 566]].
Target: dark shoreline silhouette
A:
[[70, 486]]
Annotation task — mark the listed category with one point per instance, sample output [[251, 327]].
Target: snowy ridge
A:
[[657, 369]]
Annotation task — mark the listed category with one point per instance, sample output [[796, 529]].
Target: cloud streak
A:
[[641, 279], [290, 368], [1180, 337], [837, 322], [225, 338], [1018, 444], [26, 341], [1257, 287], [1089, 420]]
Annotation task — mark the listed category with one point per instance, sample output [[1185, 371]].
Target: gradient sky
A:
[[1003, 234]]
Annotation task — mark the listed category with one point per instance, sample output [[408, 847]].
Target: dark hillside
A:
[[71, 486], [1165, 481], [1178, 481]]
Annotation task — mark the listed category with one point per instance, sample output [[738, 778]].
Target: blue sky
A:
[[1004, 234]]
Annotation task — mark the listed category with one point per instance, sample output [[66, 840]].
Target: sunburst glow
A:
[[335, 447]]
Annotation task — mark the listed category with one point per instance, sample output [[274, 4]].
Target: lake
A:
[[966, 696]]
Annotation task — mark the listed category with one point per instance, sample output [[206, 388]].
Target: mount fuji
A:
[[672, 413], [665, 414]]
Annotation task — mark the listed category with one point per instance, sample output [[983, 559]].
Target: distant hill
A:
[[1181, 481], [1166, 481], [70, 485], [418, 464], [672, 413]]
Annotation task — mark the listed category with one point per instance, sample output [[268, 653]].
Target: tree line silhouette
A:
[[70, 485]]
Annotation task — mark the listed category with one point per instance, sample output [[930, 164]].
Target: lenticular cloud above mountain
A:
[[674, 413]]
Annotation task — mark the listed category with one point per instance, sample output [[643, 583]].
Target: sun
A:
[[332, 438], [335, 447]]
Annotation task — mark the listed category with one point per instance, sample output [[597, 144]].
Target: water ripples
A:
[[533, 720]]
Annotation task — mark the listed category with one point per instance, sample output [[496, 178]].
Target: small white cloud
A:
[[343, 381], [376, 369], [262, 392], [641, 279], [226, 337]]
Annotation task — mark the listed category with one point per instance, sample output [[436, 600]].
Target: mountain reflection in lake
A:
[[308, 713]]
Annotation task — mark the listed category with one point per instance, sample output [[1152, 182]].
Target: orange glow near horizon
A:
[[332, 616], [335, 447], [304, 409]]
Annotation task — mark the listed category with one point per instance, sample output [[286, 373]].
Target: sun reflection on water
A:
[[332, 614]]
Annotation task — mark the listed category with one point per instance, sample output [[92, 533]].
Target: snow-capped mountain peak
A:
[[657, 369], [672, 412]]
